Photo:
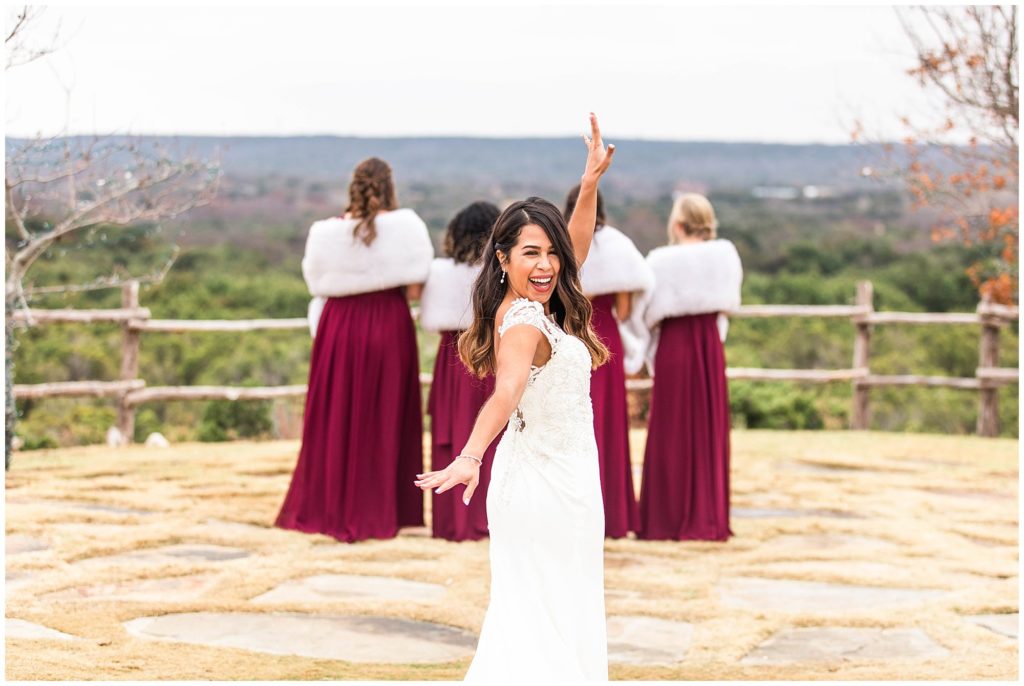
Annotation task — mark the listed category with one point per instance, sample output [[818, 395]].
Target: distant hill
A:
[[643, 168]]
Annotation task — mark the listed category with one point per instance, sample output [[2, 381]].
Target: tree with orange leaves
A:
[[967, 58]]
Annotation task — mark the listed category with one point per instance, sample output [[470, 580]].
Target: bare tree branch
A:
[[19, 23], [109, 281], [15, 213], [159, 190], [16, 42], [58, 186]]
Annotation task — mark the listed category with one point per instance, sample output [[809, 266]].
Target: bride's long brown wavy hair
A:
[[571, 308]]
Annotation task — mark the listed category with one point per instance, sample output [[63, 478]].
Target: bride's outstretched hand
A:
[[460, 471], [599, 158]]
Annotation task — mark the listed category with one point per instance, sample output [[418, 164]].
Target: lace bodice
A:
[[555, 416]]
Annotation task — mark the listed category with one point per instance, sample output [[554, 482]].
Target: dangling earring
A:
[[502, 276]]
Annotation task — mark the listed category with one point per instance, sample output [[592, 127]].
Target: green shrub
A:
[[146, 422], [38, 443], [770, 406], [89, 423], [226, 420]]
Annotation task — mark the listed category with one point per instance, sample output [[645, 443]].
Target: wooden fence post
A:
[[988, 356], [861, 348], [129, 363]]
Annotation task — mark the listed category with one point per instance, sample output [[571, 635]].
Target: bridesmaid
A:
[[456, 395], [617, 280], [685, 489], [362, 429]]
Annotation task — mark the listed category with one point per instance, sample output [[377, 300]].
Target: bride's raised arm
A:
[[584, 217]]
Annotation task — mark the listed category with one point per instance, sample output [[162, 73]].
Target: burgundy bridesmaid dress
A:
[[611, 425], [684, 494], [454, 402], [362, 444]]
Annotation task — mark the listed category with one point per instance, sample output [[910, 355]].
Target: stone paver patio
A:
[[816, 597], [844, 643], [890, 569], [327, 587], [174, 589], [353, 639], [642, 640], [19, 628], [194, 552], [16, 544], [1008, 625]]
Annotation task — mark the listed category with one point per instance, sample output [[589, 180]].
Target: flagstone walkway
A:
[[855, 556]]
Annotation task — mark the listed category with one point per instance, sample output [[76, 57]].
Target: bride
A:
[[531, 328]]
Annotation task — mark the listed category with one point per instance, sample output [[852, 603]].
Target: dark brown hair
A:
[[570, 205], [372, 190], [571, 308], [468, 232]]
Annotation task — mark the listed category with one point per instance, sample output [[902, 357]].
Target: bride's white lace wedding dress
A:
[[546, 517]]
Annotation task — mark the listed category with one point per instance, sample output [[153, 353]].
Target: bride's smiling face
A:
[[533, 265]]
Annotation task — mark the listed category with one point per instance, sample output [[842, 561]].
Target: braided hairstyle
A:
[[468, 232], [372, 190]]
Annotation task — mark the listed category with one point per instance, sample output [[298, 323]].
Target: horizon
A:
[[771, 75], [467, 137]]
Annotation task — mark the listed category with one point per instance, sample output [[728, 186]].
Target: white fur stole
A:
[[336, 264], [614, 265], [447, 301], [694, 278]]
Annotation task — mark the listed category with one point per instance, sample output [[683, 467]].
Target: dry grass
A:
[[944, 507]]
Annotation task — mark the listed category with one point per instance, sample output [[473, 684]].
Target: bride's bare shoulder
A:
[[503, 309]]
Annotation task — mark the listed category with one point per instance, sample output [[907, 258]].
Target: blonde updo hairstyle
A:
[[695, 215]]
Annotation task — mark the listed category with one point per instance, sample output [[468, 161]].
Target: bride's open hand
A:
[[599, 158], [460, 471]]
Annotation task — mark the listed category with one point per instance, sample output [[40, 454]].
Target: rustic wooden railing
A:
[[130, 391]]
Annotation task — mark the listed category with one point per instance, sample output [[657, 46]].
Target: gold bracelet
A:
[[471, 457]]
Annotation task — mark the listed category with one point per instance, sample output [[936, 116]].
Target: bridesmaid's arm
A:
[[413, 291], [515, 355], [623, 305]]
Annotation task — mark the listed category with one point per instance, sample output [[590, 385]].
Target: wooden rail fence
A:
[[130, 391]]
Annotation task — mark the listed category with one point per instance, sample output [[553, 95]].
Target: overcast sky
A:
[[794, 74]]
